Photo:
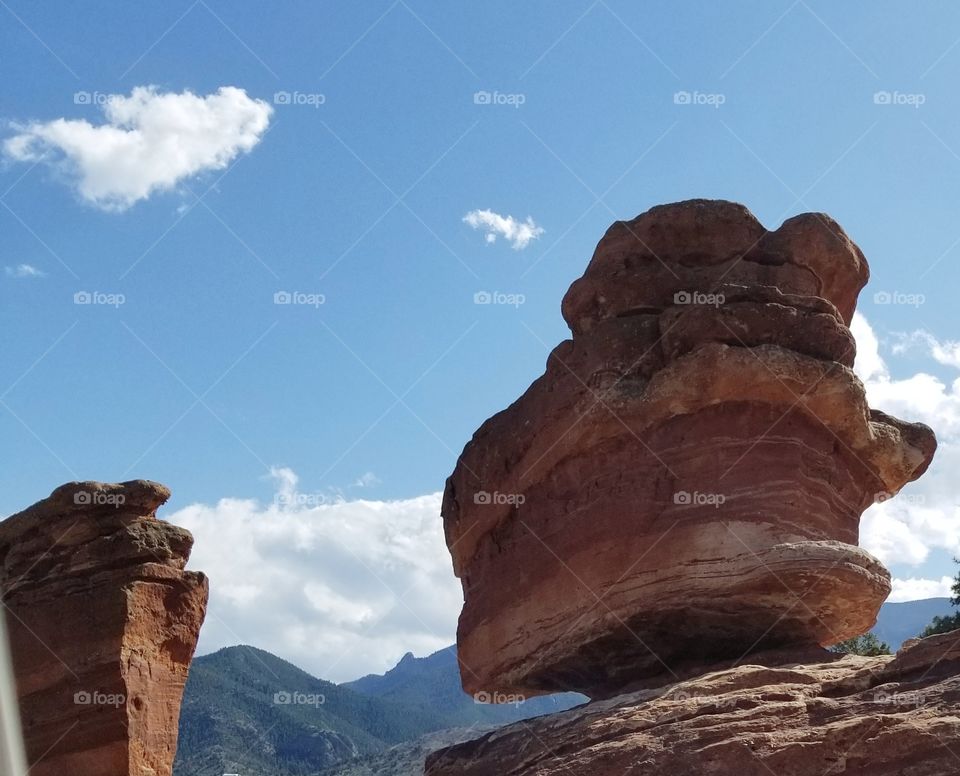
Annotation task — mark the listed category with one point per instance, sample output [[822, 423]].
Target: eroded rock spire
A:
[[103, 622]]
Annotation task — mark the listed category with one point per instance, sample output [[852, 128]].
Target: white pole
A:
[[13, 762]]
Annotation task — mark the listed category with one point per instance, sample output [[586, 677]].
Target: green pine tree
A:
[[951, 621], [867, 645]]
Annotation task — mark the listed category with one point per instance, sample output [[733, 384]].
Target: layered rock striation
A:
[[684, 483], [103, 621], [810, 716]]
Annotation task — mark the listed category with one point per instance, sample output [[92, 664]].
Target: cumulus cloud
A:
[[23, 271], [338, 587], [919, 397], [886, 531], [869, 365], [149, 142], [517, 233], [925, 516], [914, 589]]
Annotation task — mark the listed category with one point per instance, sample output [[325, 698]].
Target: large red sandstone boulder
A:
[[684, 484], [103, 622], [782, 715]]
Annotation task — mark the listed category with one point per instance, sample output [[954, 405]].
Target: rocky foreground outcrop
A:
[[103, 621], [685, 482], [857, 716]]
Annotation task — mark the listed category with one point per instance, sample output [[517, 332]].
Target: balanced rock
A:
[[684, 484], [879, 716], [103, 622]]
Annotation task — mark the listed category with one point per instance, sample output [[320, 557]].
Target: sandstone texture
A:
[[881, 716], [103, 621], [684, 483]]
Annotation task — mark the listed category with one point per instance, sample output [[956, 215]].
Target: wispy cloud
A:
[[151, 141], [366, 480], [23, 271], [946, 352], [518, 233]]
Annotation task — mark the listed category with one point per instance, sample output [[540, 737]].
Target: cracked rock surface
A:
[[783, 714]]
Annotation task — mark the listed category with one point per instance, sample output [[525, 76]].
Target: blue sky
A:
[[357, 191]]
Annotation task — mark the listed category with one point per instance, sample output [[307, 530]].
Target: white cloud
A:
[[285, 480], [926, 515], [944, 352], [886, 533], [340, 589], [518, 233], [868, 365], [920, 397], [24, 271], [366, 480], [150, 142], [914, 589]]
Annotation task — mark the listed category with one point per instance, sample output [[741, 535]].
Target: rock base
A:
[[788, 714]]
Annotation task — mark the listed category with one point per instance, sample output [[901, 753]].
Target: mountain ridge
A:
[[376, 724], [245, 709]]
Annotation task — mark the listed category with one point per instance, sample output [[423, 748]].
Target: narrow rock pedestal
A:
[[103, 622]]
